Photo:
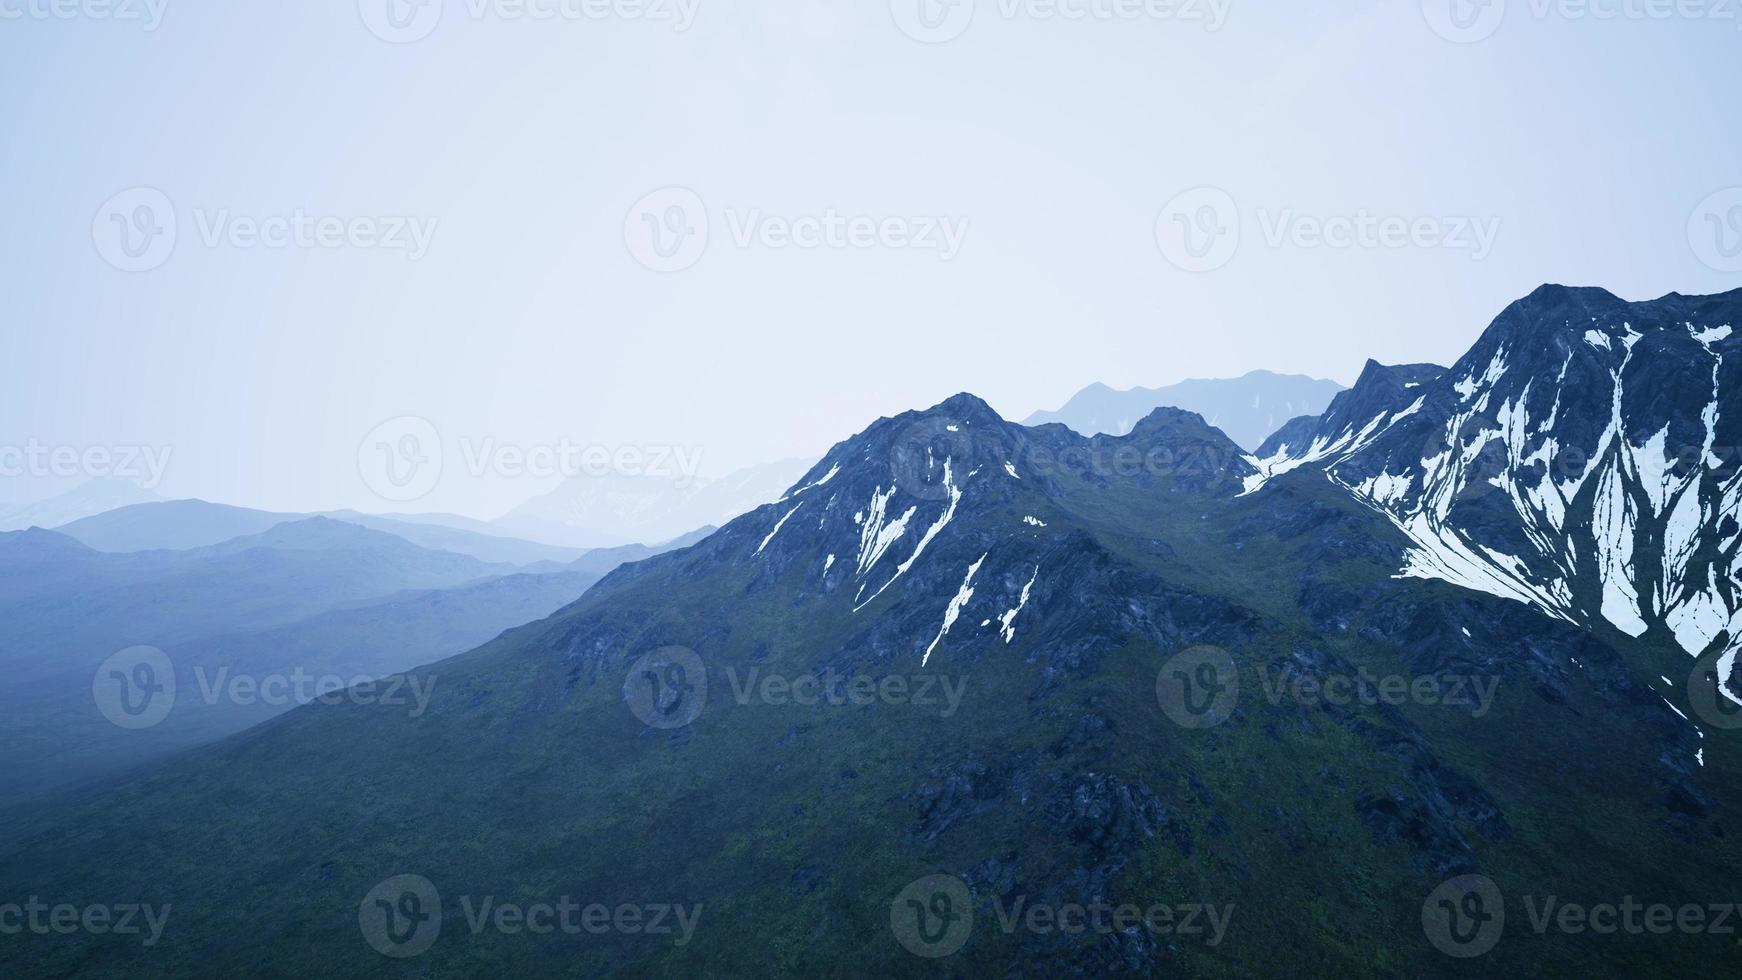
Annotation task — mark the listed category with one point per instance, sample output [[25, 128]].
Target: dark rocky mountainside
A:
[[968, 668]]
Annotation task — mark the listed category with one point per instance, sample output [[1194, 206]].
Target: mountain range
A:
[[177, 525], [1247, 409], [88, 499], [244, 597], [963, 667]]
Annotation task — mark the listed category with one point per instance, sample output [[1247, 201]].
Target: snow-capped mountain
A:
[[1247, 408], [947, 528], [1060, 668], [1581, 457]]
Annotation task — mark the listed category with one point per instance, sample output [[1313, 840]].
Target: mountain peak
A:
[[1246, 409], [967, 406], [1173, 425], [39, 541], [1550, 292]]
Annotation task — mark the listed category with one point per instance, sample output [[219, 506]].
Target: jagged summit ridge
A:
[[965, 517], [1580, 458]]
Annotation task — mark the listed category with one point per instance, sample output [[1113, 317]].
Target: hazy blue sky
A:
[[526, 144]]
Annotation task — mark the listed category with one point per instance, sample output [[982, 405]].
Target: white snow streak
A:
[[963, 594]]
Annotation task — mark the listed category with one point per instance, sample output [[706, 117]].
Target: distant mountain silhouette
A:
[[1248, 408]]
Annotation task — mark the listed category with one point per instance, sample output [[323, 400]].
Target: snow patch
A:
[[777, 526], [1005, 621], [963, 594]]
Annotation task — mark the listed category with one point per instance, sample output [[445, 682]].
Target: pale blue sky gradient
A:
[[530, 322]]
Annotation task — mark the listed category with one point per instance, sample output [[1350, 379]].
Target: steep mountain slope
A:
[[1248, 408], [1580, 458], [1059, 671]]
